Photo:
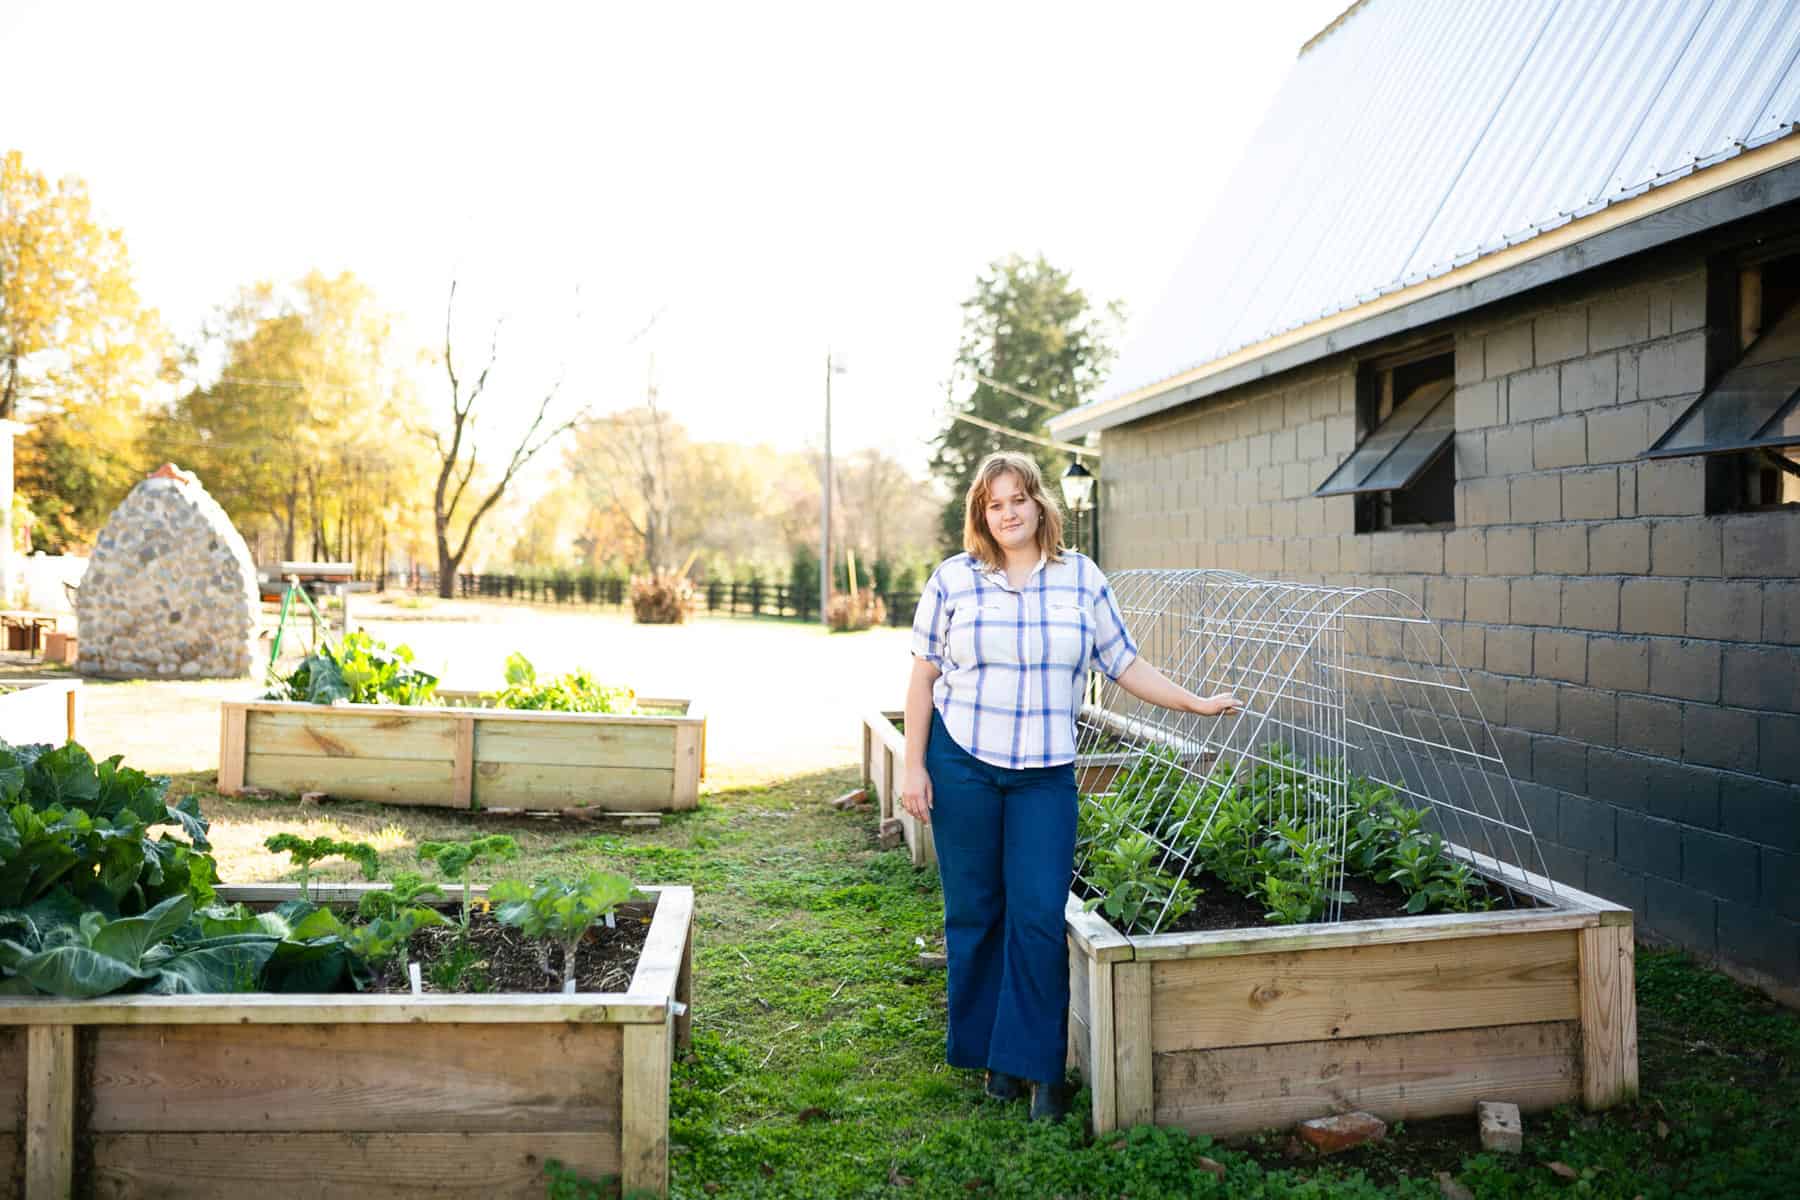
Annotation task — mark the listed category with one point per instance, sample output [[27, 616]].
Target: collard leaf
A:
[[127, 938], [233, 967], [78, 972], [186, 813], [65, 776]]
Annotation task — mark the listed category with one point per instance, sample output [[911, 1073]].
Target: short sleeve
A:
[[1114, 651], [931, 621]]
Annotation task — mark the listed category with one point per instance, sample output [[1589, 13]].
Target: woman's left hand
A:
[[1221, 705]]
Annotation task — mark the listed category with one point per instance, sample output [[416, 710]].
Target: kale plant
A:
[[457, 860], [305, 852], [560, 911]]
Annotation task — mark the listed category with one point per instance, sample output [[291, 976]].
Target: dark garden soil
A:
[[501, 959]]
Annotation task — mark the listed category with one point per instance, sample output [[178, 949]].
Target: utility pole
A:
[[832, 366]]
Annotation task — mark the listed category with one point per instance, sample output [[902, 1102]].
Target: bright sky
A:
[[766, 180]]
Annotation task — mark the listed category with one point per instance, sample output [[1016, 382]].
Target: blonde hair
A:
[[978, 539]]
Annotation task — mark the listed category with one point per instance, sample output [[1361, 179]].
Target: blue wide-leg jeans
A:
[[1006, 849]]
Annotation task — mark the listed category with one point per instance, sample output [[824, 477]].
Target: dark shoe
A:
[[1001, 1086], [1049, 1101]]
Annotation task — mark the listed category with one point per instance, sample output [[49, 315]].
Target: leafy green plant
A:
[[359, 670], [560, 911], [1130, 888], [457, 861], [306, 852], [380, 944], [577, 691]]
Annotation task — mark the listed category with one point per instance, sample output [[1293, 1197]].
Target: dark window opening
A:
[[1402, 472], [1747, 421]]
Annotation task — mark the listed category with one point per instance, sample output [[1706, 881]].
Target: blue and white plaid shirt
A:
[[1013, 662]]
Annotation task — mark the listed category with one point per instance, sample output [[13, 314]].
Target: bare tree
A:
[[458, 455], [631, 457]]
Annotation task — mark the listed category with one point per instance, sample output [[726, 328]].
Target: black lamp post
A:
[[1078, 491]]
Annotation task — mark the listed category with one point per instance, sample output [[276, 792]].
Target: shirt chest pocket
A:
[[981, 633], [1066, 634]]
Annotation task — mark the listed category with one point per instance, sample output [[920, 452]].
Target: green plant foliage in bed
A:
[[359, 670], [1252, 834], [577, 691]]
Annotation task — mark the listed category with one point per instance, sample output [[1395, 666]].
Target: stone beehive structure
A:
[[171, 589]]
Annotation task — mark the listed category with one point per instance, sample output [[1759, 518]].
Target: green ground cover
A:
[[817, 1064]]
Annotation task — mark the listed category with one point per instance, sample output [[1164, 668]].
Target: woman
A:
[[1002, 642]]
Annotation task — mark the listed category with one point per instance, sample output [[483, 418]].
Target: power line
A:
[[996, 427], [1010, 390]]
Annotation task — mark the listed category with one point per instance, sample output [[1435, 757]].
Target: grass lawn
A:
[[817, 1067]]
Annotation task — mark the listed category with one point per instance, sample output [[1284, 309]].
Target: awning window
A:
[[1397, 453], [1755, 404]]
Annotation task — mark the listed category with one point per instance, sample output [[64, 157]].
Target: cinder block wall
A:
[[1640, 660]]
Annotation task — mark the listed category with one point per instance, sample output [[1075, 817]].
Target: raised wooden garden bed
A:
[[884, 766], [40, 710], [1246, 1029], [465, 756], [347, 1095]]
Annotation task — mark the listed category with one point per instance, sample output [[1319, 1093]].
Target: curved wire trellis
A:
[[1337, 682]]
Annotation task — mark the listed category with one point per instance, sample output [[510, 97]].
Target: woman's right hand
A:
[[915, 794]]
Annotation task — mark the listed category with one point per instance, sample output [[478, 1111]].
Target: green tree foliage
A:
[[79, 353], [1028, 327]]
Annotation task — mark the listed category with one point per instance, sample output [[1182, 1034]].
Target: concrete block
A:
[[1536, 600], [1720, 866], [1556, 654], [1653, 606], [1719, 737], [1486, 599], [1502, 1132], [1559, 442], [1508, 651], [1681, 914], [1534, 498], [1478, 405], [1612, 882], [1622, 319], [1590, 495], [1531, 705], [1617, 434], [1765, 677], [1761, 811], [1469, 450], [1538, 805], [1685, 670], [1560, 335], [1672, 367], [1778, 735], [1587, 825], [1565, 865], [1508, 450], [1753, 937], [1729, 610], [1465, 552], [1617, 547], [1444, 599], [1485, 501], [1619, 664], [1649, 845], [1650, 725], [1672, 487], [1510, 552], [1587, 715], [1781, 884], [1762, 545], [1687, 302], [1509, 350], [1628, 506], [1471, 364], [1533, 395], [1781, 612], [1590, 383], [1591, 603], [1684, 793], [1619, 778], [1340, 435], [1561, 549]]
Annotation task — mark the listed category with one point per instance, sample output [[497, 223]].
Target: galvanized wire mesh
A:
[[1338, 683]]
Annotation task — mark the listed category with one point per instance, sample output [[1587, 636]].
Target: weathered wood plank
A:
[[462, 764], [659, 962], [49, 1111], [644, 1101], [1224, 943], [343, 1166], [482, 714], [389, 780], [1364, 991], [231, 749], [351, 731], [1540, 887], [1609, 1073], [262, 1008], [1133, 1070], [1397, 1077], [12, 1159], [1102, 1075], [685, 790], [12, 1071], [583, 744], [354, 1078], [551, 786], [1091, 935]]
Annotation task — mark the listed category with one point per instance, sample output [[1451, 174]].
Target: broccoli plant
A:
[[457, 860], [304, 852], [559, 911]]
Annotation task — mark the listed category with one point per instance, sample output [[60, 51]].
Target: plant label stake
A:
[[418, 987]]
